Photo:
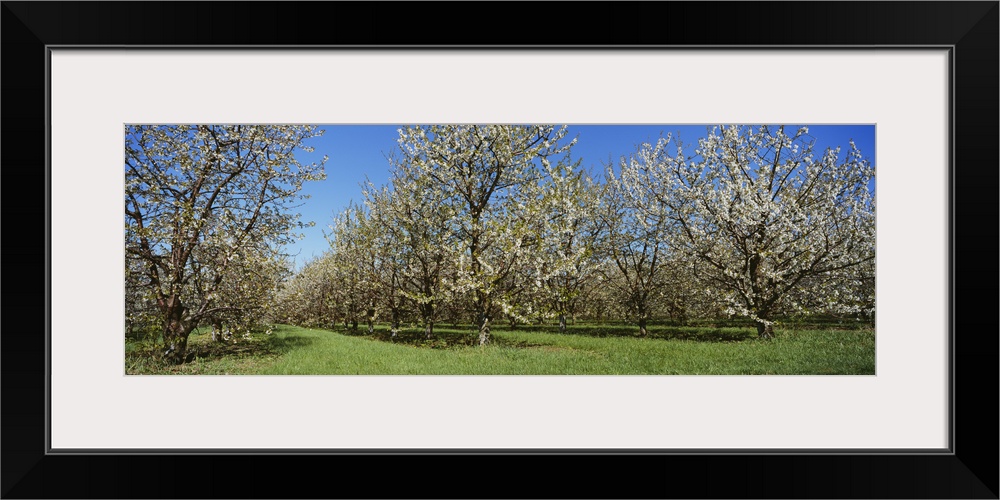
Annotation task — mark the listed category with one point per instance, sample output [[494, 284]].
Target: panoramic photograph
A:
[[499, 249]]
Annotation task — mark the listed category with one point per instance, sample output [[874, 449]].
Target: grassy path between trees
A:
[[292, 350]]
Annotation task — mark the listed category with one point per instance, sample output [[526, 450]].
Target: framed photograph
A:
[[921, 76]]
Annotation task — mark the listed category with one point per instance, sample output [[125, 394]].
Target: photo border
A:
[[31, 30], [83, 79]]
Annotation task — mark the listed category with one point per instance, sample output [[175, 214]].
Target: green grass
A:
[[585, 350]]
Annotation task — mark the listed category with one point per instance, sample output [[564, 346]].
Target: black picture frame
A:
[[970, 470]]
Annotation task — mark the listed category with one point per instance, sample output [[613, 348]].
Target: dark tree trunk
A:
[[175, 348], [638, 301], [562, 322], [643, 317], [395, 322], [484, 329], [427, 311], [352, 314], [483, 317], [765, 330], [482, 298], [175, 330], [217, 331]]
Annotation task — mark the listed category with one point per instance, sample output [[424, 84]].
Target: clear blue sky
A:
[[357, 151]]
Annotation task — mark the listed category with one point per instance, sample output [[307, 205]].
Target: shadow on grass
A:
[[696, 334], [705, 335], [440, 340], [450, 338], [144, 357], [281, 345]]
